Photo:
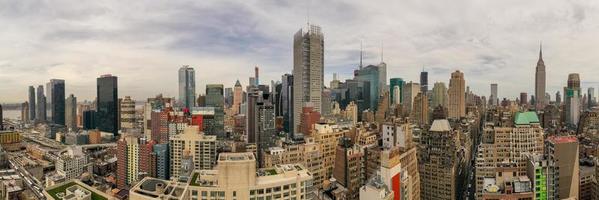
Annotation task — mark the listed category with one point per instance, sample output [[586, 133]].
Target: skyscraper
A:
[[457, 95], [1, 119], [424, 81], [395, 86], [439, 95], [25, 112], [540, 81], [523, 98], [287, 101], [187, 86], [438, 161], [107, 104], [493, 98], [71, 112], [40, 114], [371, 74], [57, 103], [563, 154], [308, 70], [215, 98], [237, 97], [32, 110], [591, 97], [257, 75], [572, 99]]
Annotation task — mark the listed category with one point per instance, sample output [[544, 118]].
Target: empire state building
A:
[[540, 82]]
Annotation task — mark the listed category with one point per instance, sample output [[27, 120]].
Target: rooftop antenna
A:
[[382, 52], [541, 49], [308, 14], [360, 53]]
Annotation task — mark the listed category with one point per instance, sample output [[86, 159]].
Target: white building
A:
[[72, 163]]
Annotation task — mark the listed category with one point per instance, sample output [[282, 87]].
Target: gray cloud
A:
[[144, 42]]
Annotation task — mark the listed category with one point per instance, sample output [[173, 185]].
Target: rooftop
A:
[[523, 118], [236, 156], [562, 139], [440, 125], [59, 192]]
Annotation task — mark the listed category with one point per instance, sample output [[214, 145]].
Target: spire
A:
[[382, 52], [541, 51], [360, 54]]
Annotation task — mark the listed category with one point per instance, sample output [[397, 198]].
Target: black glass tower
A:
[[107, 100], [58, 101]]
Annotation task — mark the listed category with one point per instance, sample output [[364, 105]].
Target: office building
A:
[[327, 137], [162, 155], [371, 74], [439, 97], [89, 120], [424, 81], [57, 104], [237, 97], [40, 114], [540, 82], [562, 151], [375, 188], [287, 103], [523, 98], [420, 113], [107, 104], [127, 113], [494, 99], [438, 161], [457, 95], [573, 100], [215, 98], [409, 92], [32, 104], [395, 88], [187, 86], [308, 70], [71, 112], [25, 112]]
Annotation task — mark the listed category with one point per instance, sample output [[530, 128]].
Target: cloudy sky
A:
[[145, 42]]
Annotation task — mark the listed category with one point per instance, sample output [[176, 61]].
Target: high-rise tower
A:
[[58, 101], [457, 95], [187, 86], [107, 114], [308, 70], [540, 81], [32, 110]]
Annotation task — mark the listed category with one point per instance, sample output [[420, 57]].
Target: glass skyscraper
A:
[[58, 101], [32, 109], [187, 86], [215, 98], [107, 100]]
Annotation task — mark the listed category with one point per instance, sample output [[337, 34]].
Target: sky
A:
[[145, 42]]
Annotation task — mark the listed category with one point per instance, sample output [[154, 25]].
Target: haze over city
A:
[[144, 43]]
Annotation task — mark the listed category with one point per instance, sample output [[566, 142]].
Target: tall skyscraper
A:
[[540, 81], [257, 75], [523, 98], [308, 70], [591, 97], [237, 97], [32, 107], [457, 95], [382, 77], [187, 86], [40, 114], [371, 74], [107, 104], [494, 99], [395, 86], [215, 98], [439, 95], [572, 99], [57, 103], [438, 161], [409, 92], [71, 112], [424, 81], [287, 101], [25, 112]]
